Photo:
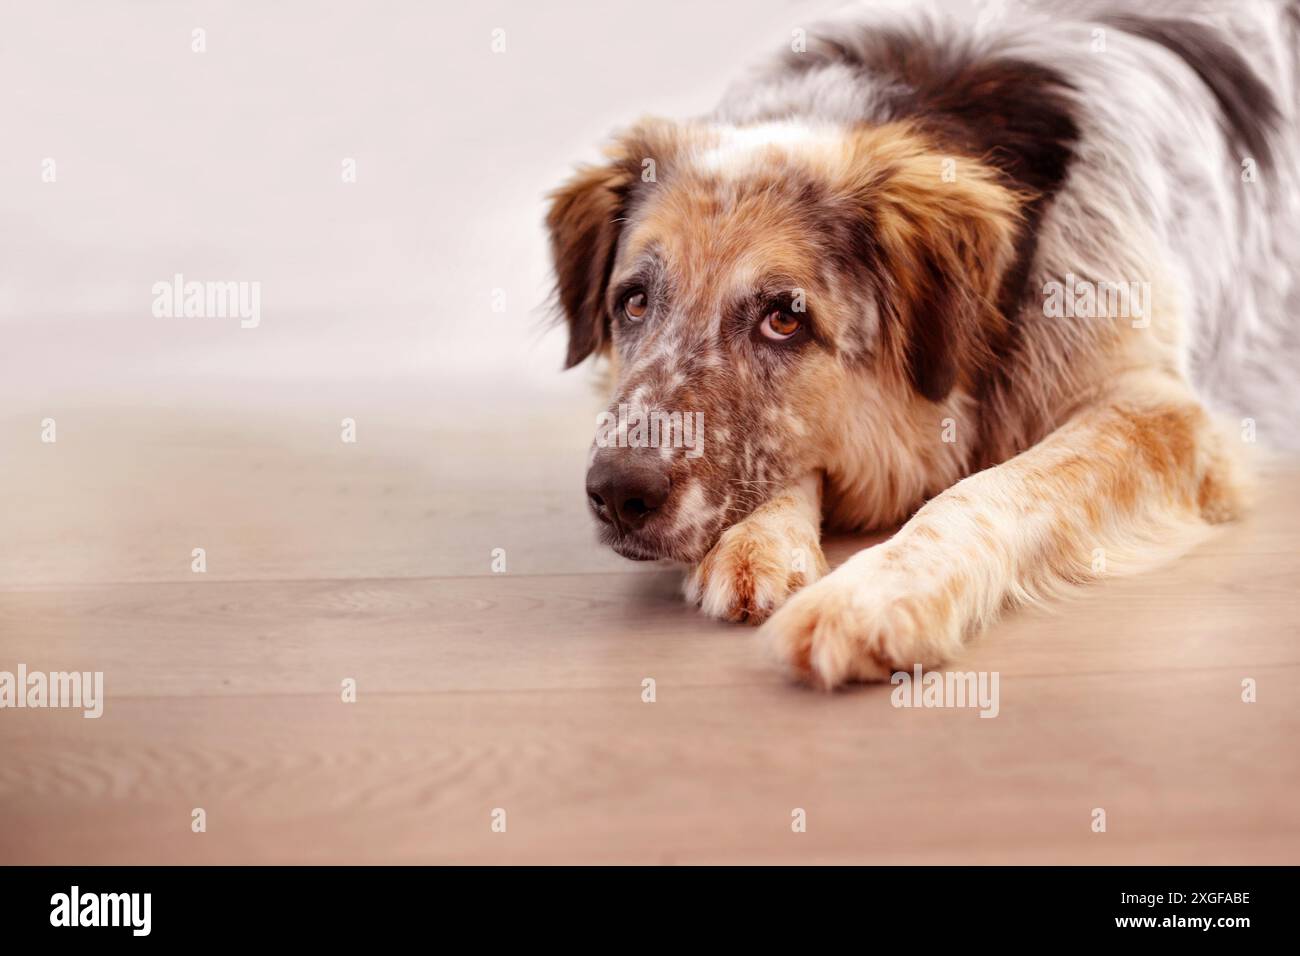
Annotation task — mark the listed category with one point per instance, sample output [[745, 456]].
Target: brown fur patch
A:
[[584, 227], [946, 228]]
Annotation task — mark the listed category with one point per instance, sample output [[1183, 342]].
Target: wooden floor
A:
[[523, 690]]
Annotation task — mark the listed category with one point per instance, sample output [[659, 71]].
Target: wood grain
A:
[[522, 690]]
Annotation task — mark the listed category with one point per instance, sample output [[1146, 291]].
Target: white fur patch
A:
[[742, 146]]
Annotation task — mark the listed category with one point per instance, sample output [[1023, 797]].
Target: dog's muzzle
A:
[[627, 489]]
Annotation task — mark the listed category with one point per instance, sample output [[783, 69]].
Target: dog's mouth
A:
[[654, 541], [635, 549]]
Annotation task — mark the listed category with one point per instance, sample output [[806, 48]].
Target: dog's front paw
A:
[[752, 570], [856, 625]]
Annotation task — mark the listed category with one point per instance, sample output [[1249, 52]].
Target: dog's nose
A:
[[626, 488]]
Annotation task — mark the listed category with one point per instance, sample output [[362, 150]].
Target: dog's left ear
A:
[[945, 229], [584, 222]]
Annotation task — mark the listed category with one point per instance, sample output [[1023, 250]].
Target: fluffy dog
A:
[[986, 276]]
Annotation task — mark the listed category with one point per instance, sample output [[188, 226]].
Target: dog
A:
[[1021, 281]]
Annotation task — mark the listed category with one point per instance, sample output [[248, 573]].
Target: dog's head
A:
[[769, 295]]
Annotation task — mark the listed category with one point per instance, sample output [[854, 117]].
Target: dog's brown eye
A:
[[778, 326], [635, 305]]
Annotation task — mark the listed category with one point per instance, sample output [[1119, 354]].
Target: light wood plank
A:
[[1184, 769], [125, 496]]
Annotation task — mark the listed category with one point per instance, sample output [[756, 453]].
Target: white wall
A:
[[226, 165]]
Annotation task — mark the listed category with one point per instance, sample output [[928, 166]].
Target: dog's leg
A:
[[1132, 478], [759, 562]]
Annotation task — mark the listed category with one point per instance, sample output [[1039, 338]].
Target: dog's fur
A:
[[919, 181]]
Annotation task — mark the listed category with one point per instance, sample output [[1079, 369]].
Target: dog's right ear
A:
[[584, 222]]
